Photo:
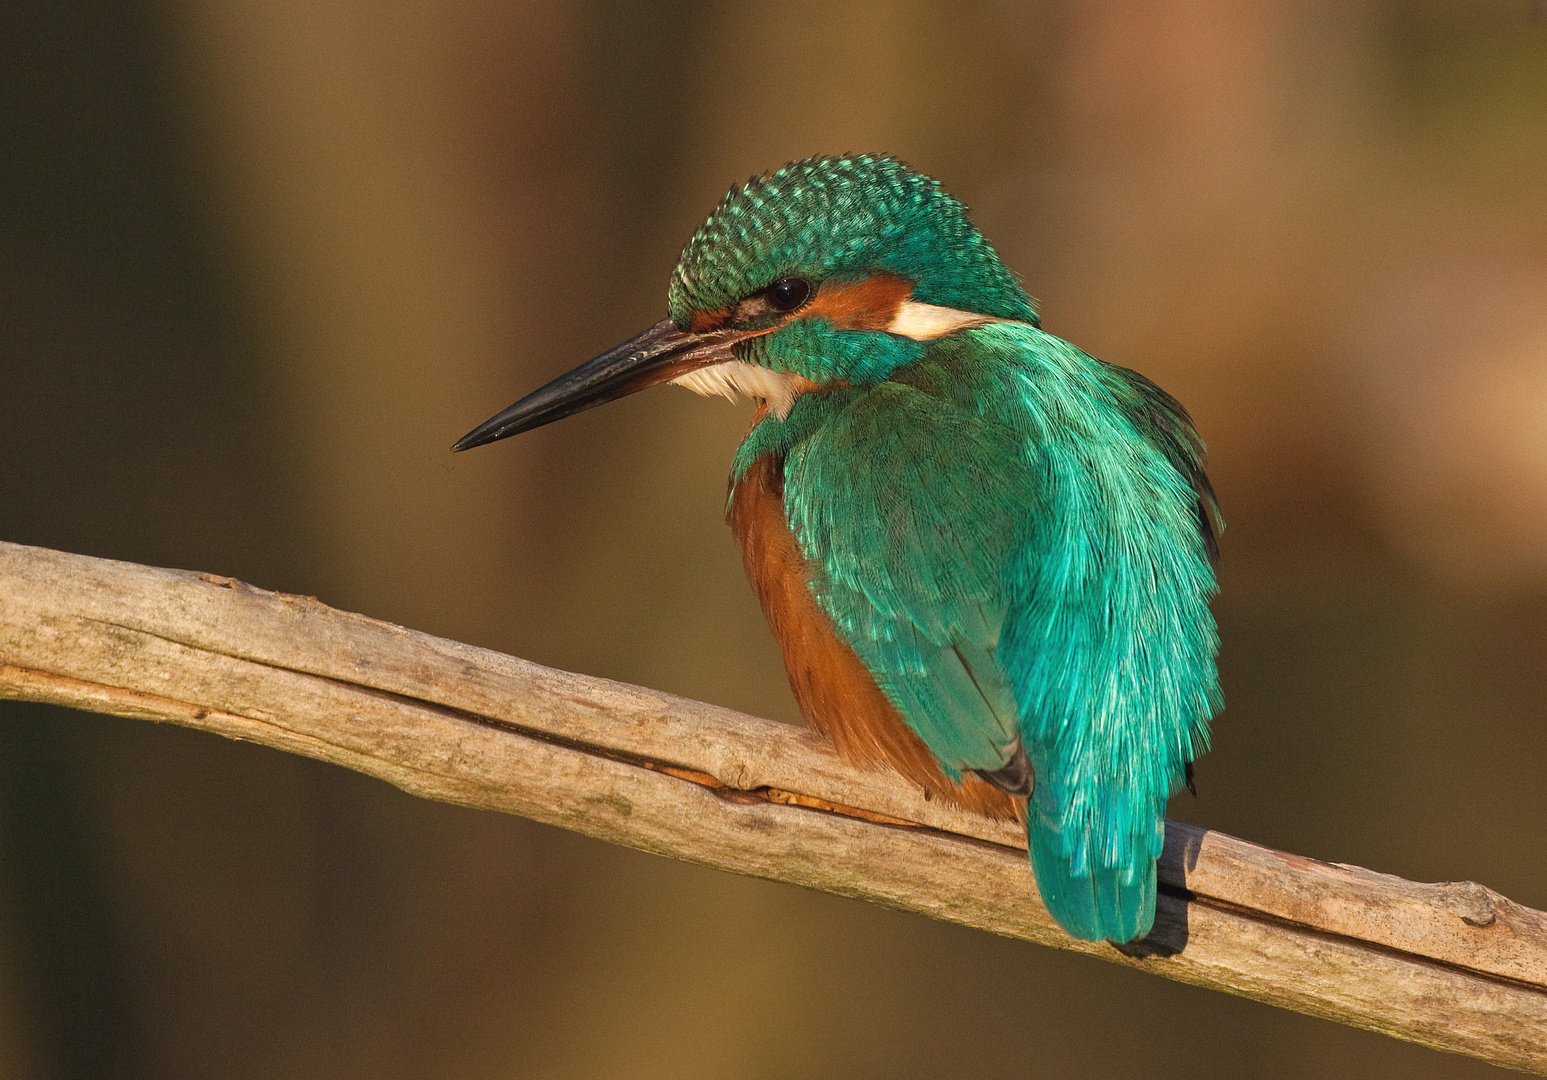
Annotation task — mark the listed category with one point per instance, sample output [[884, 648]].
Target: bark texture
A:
[[1451, 965]]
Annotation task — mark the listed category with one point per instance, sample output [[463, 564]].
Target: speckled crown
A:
[[843, 217]]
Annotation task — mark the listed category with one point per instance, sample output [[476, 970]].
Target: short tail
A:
[[1106, 904]]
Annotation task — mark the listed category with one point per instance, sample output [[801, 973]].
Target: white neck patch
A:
[[926, 322], [734, 378]]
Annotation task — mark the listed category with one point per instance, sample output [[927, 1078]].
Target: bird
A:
[[987, 556]]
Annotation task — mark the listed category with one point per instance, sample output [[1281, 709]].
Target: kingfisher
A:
[[987, 556]]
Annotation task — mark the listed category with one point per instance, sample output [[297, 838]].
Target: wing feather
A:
[[901, 504], [1015, 539]]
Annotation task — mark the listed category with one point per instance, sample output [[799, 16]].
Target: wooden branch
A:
[[1453, 966]]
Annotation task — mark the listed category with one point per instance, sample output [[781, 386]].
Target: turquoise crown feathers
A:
[[844, 217]]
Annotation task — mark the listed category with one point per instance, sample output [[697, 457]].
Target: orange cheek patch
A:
[[869, 304]]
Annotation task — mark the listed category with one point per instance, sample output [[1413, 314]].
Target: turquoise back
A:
[[1008, 533]]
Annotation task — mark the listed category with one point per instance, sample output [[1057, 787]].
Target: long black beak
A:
[[662, 352]]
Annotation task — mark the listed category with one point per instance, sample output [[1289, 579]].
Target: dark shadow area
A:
[[82, 1011], [1168, 936]]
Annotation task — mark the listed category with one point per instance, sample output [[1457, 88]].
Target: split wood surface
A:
[[1452, 966]]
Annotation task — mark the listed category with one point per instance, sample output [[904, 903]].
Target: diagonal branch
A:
[[1453, 966]]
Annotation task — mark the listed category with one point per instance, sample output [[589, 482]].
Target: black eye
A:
[[789, 293]]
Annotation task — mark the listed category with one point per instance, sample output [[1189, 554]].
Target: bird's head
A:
[[829, 271]]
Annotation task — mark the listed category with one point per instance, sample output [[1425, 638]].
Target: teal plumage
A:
[[1006, 530], [843, 217], [1015, 539], [1005, 538]]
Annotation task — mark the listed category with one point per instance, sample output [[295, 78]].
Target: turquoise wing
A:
[[907, 506], [1109, 643], [1008, 535]]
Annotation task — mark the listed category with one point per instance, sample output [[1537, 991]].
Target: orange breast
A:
[[836, 692]]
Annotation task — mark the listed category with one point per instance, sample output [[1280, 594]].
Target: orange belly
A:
[[836, 692]]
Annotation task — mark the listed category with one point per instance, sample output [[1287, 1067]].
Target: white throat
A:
[[735, 378]]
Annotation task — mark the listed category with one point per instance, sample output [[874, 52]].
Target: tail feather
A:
[[1101, 904]]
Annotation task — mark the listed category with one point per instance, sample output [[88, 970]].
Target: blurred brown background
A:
[[260, 263]]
